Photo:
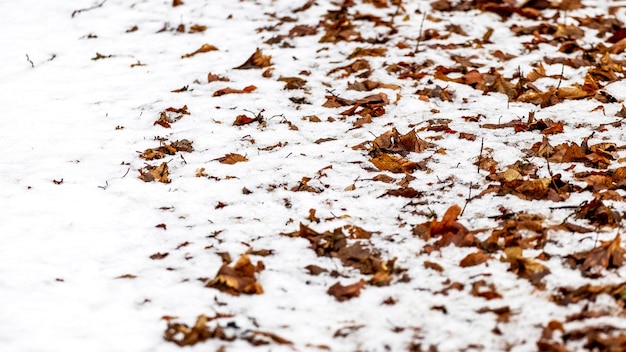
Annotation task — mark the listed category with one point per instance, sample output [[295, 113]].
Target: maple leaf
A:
[[344, 293], [256, 61], [205, 48], [231, 158], [238, 279]]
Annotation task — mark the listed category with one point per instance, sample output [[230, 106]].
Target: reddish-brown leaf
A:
[[344, 293]]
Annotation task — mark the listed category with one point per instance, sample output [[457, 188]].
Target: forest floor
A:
[[364, 175]]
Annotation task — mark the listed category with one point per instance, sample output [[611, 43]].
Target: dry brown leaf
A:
[[525, 268], [475, 258], [238, 279], [205, 48], [609, 254], [393, 163], [256, 61], [228, 90], [231, 158], [155, 173], [344, 293]]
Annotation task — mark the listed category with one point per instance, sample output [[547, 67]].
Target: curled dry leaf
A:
[[475, 258], [231, 158], [205, 48], [525, 268], [293, 82], [184, 335], [393, 163], [228, 90], [155, 173], [344, 293], [256, 61], [598, 213], [238, 279], [609, 254]]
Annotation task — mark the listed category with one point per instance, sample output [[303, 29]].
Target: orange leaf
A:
[[205, 48], [231, 158]]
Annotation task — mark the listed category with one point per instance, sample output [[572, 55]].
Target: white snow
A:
[[75, 215]]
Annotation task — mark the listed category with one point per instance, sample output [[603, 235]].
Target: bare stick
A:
[[30, 61], [76, 12], [419, 39], [561, 77], [469, 198], [480, 156]]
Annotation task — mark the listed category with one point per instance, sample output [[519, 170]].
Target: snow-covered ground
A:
[[95, 255]]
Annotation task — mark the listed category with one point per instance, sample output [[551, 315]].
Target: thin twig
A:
[[419, 39], [30, 61], [561, 77], [469, 198], [76, 12], [480, 156]]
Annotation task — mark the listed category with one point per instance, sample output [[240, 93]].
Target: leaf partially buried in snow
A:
[[239, 278], [393, 163], [525, 268], [255, 61], [231, 158], [344, 293]]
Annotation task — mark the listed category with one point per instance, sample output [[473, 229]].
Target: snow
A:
[[76, 216]]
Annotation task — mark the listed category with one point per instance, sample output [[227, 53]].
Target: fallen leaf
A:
[[475, 258], [155, 173], [231, 158], [344, 293], [228, 90], [255, 61], [238, 279], [205, 48], [525, 268], [609, 254]]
